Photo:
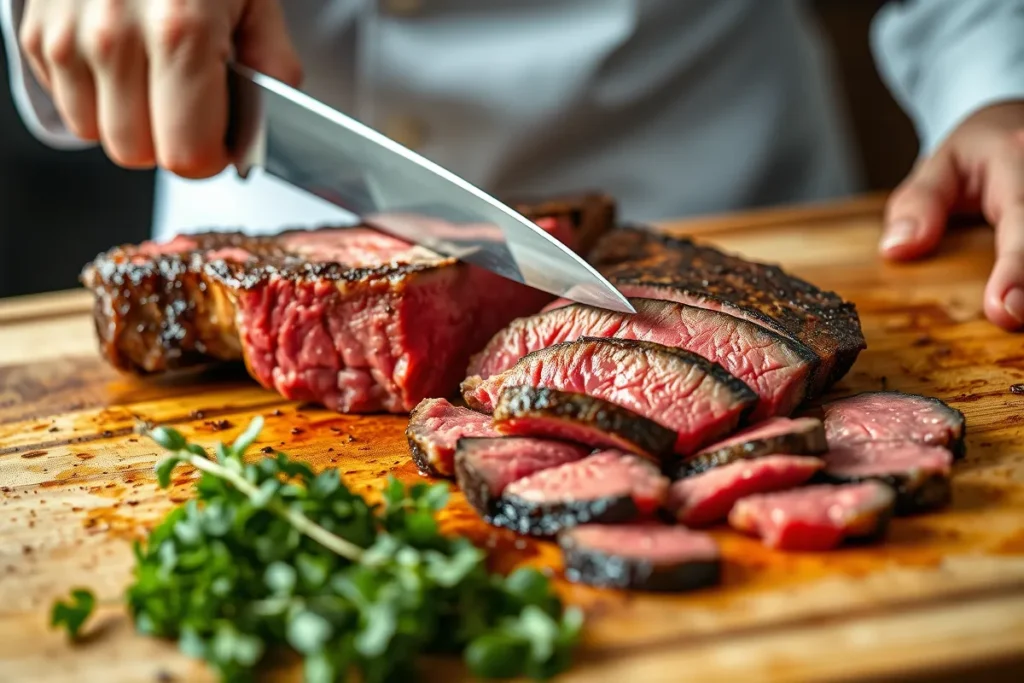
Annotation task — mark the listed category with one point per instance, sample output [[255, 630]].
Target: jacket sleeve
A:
[[946, 59], [34, 105]]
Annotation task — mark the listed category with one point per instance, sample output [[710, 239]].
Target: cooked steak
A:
[[534, 411], [894, 416], [644, 264], [676, 388], [917, 472], [435, 427], [779, 435], [777, 368], [484, 467], [348, 317], [816, 517], [607, 487], [708, 497], [647, 557]]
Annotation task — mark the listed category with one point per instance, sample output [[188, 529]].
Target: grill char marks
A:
[[533, 411], [643, 557], [678, 389], [777, 368], [347, 317], [777, 436], [642, 263]]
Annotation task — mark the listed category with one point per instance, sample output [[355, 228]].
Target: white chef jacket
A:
[[675, 107]]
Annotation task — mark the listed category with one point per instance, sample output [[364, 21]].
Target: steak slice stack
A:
[[644, 264], [348, 317], [779, 369], [918, 473], [678, 389], [435, 427]]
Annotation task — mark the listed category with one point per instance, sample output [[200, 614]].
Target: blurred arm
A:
[[946, 59], [32, 102]]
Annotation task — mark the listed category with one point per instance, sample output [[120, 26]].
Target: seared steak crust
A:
[[636, 257], [781, 436], [540, 411]]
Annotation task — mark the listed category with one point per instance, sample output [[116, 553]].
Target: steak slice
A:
[[607, 487], [646, 557], [677, 389], [435, 427], [642, 263], [776, 367], [917, 472], [348, 317], [484, 467], [818, 517], [533, 411], [894, 416], [707, 498], [778, 435]]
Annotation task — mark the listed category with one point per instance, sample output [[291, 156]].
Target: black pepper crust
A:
[[631, 431], [821, 319]]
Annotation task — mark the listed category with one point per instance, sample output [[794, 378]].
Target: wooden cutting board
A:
[[945, 593]]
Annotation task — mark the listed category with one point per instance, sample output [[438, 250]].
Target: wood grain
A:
[[946, 592]]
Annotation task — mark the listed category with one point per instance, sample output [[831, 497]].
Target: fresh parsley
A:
[[73, 614], [270, 555]]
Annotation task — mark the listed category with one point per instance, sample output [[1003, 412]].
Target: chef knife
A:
[[313, 147]]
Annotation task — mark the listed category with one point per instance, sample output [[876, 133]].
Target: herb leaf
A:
[[73, 614]]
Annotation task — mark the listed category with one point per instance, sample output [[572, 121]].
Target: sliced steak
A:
[[647, 557], [484, 467], [894, 416], [917, 472], [539, 411], [779, 435], [435, 427], [348, 317], [818, 517], [642, 263], [677, 389], [779, 369], [607, 487], [707, 498]]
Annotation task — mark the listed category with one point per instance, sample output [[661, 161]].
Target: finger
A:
[[264, 44], [188, 43], [30, 37], [114, 50], [72, 84], [918, 210], [1004, 206]]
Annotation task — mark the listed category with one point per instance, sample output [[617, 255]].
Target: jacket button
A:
[[403, 8], [406, 131]]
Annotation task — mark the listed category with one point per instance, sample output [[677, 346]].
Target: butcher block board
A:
[[945, 593]]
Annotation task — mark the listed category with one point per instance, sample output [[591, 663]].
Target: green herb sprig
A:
[[271, 555]]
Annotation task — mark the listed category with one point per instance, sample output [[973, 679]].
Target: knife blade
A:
[[315, 148]]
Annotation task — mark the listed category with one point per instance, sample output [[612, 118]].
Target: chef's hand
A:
[[980, 167], [147, 78]]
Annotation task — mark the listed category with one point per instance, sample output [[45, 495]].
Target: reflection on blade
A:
[[323, 152]]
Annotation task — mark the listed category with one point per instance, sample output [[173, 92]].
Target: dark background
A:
[[59, 209]]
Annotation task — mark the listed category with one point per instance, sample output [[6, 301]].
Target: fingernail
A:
[[1013, 302], [899, 233]]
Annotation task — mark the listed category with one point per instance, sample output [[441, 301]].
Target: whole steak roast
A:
[[348, 317]]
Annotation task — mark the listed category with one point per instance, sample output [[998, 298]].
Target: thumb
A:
[[263, 42], [917, 211]]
